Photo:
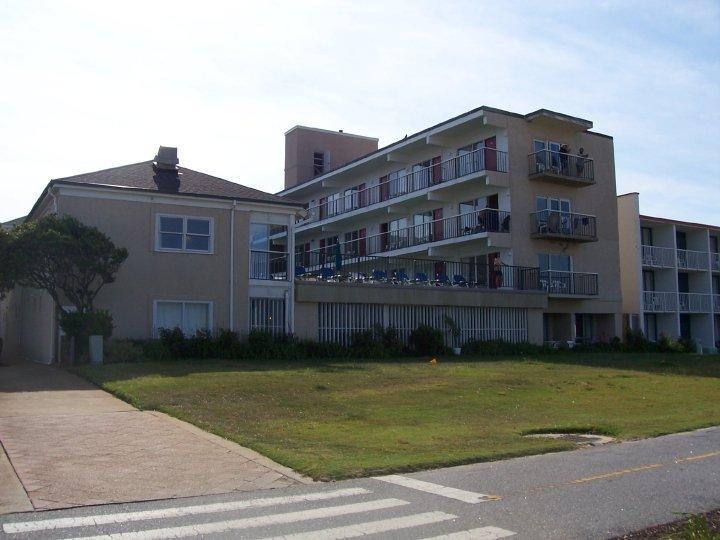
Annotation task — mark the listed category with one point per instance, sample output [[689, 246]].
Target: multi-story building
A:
[[670, 275], [201, 250], [514, 214]]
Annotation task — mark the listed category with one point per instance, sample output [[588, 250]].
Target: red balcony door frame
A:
[[437, 224]]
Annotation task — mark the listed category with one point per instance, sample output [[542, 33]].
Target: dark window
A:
[[683, 283], [651, 326], [681, 239], [714, 244], [685, 325], [318, 163], [646, 236], [648, 280]]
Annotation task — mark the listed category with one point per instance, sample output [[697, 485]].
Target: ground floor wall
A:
[[27, 326]]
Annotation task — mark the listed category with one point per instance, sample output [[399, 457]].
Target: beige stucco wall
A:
[[10, 325], [630, 263], [37, 326]]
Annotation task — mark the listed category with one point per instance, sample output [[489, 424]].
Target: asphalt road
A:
[[592, 493]]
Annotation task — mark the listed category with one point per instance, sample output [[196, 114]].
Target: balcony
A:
[[465, 166], [553, 224], [694, 302], [268, 265], [715, 262], [716, 303], [561, 168], [401, 271], [659, 302], [692, 260], [459, 228], [563, 283], [658, 257]]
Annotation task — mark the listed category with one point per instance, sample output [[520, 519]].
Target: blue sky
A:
[[90, 85]]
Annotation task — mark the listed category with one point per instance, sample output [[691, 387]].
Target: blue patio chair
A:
[[460, 280], [300, 271], [327, 273], [421, 277], [400, 276], [379, 275]]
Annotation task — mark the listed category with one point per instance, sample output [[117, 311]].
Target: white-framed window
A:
[[318, 163], [556, 262], [334, 204], [183, 233], [187, 315]]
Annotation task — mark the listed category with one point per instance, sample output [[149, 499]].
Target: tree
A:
[[7, 270], [61, 255]]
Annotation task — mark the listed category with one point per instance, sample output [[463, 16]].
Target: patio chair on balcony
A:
[[400, 277], [379, 275], [460, 281], [300, 271], [328, 274], [421, 278], [442, 279]]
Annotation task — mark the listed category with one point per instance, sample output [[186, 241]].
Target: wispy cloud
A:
[[88, 86]]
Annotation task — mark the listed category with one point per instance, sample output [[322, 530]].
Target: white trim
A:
[[185, 218], [209, 303], [99, 191]]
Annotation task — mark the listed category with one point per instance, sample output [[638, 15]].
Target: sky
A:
[[90, 85]]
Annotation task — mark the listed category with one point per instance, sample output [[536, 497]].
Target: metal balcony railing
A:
[[369, 269], [659, 257], [572, 283], [694, 302], [268, 265], [692, 260], [555, 223], [659, 301], [482, 159], [715, 262], [560, 164]]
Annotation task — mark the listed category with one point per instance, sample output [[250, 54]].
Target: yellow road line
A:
[[614, 473], [695, 458]]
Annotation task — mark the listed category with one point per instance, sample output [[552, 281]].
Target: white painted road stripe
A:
[[444, 491], [370, 527], [483, 533], [163, 513], [247, 523]]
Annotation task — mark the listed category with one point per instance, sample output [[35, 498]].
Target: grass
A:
[[341, 419]]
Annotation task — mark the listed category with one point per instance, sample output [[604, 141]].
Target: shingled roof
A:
[[144, 177]]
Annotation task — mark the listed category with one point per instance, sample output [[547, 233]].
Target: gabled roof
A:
[[144, 177]]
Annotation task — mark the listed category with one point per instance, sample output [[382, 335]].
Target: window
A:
[[267, 237], [648, 280], [713, 244], [398, 233], [646, 236], [554, 262], [187, 316], [422, 226], [681, 239], [334, 203], [318, 163], [350, 201], [651, 326], [268, 251], [267, 315], [553, 214], [469, 160], [352, 243], [397, 183], [183, 233]]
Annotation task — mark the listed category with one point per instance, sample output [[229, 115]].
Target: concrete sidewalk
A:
[[71, 444]]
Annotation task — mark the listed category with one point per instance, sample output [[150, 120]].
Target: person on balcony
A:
[[497, 274], [582, 156], [564, 152]]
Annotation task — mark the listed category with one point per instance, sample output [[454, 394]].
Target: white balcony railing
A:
[[692, 260], [659, 257], [659, 302], [694, 302], [716, 303], [715, 262]]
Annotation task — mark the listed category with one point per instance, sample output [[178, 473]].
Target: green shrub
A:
[[426, 340], [174, 341], [698, 528], [123, 350]]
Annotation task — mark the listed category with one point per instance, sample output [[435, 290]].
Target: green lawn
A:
[[341, 419]]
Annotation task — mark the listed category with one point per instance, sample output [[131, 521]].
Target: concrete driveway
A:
[[71, 444]]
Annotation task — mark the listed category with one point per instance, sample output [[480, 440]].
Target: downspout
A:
[[232, 266]]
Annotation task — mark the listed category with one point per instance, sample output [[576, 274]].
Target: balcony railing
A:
[[715, 262], [482, 159], [659, 302], [550, 163], [692, 260], [716, 303], [350, 268], [694, 302], [268, 265], [661, 257], [572, 283], [558, 224]]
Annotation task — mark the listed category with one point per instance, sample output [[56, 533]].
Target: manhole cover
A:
[[576, 438]]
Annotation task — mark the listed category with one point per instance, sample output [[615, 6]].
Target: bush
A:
[[426, 340], [123, 350], [174, 341], [83, 325]]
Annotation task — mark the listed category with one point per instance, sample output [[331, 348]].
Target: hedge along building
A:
[[200, 250], [512, 217]]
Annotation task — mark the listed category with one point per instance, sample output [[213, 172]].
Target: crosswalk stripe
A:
[[437, 489], [483, 533], [370, 527], [247, 523], [178, 511]]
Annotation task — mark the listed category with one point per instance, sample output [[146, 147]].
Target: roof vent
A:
[[166, 158]]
